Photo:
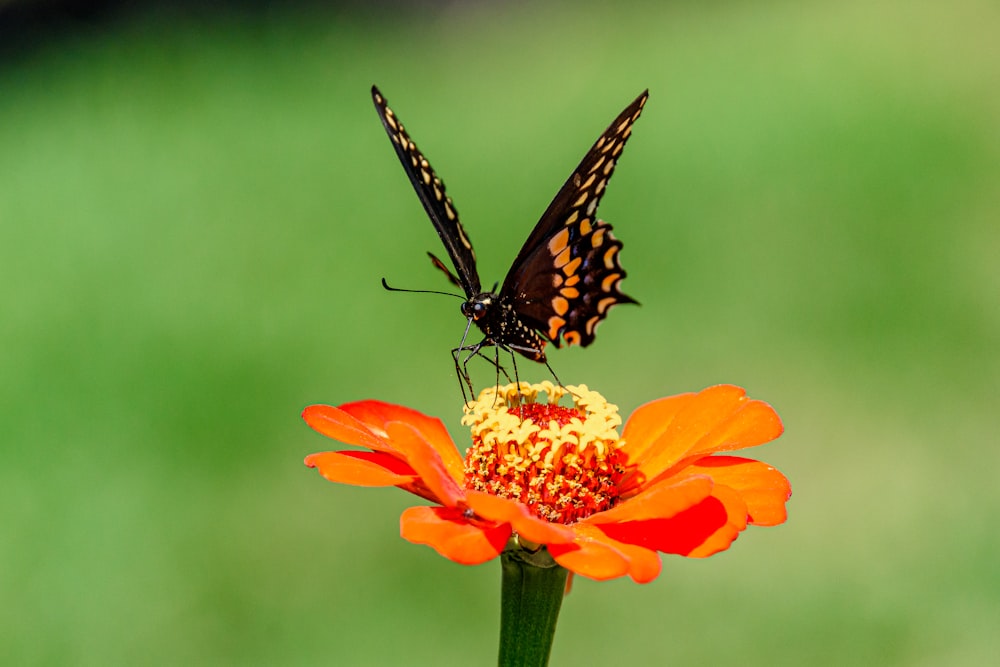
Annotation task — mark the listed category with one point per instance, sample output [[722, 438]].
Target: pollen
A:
[[563, 462]]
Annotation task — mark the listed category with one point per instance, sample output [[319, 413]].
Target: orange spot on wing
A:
[[558, 242], [606, 303], [609, 257], [555, 324]]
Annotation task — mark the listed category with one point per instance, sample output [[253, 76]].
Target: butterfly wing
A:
[[432, 195], [567, 274]]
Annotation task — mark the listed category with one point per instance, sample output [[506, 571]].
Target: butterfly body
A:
[[566, 275], [501, 326]]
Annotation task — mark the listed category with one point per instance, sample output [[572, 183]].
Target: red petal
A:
[[426, 461], [762, 488], [362, 468], [659, 501], [526, 524], [377, 415], [597, 556], [339, 425], [453, 535], [736, 521], [680, 534], [590, 559]]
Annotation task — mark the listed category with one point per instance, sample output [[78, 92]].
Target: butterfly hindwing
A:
[[431, 191], [567, 274], [566, 288]]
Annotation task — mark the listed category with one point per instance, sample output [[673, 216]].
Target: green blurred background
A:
[[196, 208]]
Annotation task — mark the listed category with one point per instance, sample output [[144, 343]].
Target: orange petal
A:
[[754, 423], [362, 468], [649, 422], [339, 425], [680, 534], [762, 488], [590, 559], [717, 418], [453, 535], [659, 501], [597, 556], [426, 461], [376, 415], [526, 524]]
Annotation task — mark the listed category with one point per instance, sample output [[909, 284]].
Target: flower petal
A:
[[591, 559], [753, 423], [680, 534], [597, 556], [526, 524], [649, 422], [376, 415], [453, 535], [362, 468], [341, 426], [763, 489], [659, 501], [736, 522], [715, 419], [425, 459]]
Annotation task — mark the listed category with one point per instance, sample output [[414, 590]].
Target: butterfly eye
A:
[[475, 309]]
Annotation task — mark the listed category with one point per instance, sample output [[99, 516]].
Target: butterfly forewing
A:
[[567, 274], [432, 194]]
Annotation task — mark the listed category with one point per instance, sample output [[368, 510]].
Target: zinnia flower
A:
[[559, 477]]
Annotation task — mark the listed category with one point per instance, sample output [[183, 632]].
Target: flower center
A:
[[564, 463]]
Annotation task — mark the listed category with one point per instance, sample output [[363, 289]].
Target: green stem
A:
[[531, 595]]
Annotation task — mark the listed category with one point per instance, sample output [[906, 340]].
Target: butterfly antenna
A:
[[418, 291]]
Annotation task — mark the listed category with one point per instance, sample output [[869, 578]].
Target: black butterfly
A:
[[566, 276]]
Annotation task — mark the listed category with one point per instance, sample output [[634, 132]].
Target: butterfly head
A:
[[477, 307]]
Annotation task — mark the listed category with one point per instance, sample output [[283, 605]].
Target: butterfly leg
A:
[[462, 364], [517, 383], [495, 362], [461, 368], [478, 352], [535, 354], [554, 376]]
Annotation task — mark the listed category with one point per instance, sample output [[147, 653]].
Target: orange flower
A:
[[560, 477]]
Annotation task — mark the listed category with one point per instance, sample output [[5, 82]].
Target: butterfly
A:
[[566, 276]]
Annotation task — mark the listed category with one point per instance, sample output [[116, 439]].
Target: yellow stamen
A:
[[563, 462]]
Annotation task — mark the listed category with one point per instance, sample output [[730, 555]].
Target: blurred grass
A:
[[195, 214]]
